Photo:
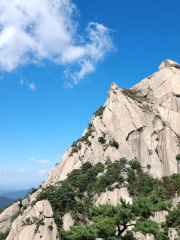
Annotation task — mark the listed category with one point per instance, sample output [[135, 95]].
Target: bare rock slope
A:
[[141, 122]]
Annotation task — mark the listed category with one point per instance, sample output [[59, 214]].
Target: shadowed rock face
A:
[[141, 122]]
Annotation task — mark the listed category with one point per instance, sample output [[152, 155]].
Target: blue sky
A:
[[57, 62]]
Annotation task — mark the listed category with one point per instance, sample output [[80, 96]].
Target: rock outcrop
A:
[[143, 120], [34, 223], [169, 63], [137, 123]]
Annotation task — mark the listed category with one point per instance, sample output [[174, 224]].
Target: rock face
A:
[[6, 216], [67, 221], [112, 197], [36, 222], [169, 63], [138, 123], [144, 121]]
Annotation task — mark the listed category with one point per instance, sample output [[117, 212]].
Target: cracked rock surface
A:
[[144, 124]]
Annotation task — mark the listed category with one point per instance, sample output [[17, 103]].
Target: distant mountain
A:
[[5, 202], [16, 195]]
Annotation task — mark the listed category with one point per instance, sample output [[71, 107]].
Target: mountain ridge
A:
[[144, 101], [137, 123]]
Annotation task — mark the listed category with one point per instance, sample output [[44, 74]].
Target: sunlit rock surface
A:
[[144, 121]]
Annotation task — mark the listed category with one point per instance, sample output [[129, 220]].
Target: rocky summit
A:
[[141, 123]]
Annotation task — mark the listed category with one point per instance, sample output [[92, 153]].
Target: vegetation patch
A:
[[134, 94], [102, 139], [178, 157], [100, 111], [16, 215], [145, 108], [76, 146], [4, 235], [50, 227], [75, 195], [113, 143], [39, 223], [153, 133]]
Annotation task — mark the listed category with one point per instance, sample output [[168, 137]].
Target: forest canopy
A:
[[75, 195]]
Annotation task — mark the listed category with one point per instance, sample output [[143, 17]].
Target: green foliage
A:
[[3, 236], [16, 215], [100, 111], [113, 143], [76, 195], [143, 184], [63, 196], [146, 226], [148, 166], [39, 223], [28, 220], [79, 233], [154, 132], [134, 94], [135, 165], [86, 166], [50, 227], [173, 218], [128, 236], [75, 148], [171, 185], [102, 140], [178, 157], [33, 190], [145, 108], [161, 236], [131, 177], [109, 221], [113, 174], [86, 136]]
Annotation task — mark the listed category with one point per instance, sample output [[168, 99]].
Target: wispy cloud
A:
[[41, 161], [43, 172], [38, 30], [22, 82], [23, 171], [4, 171], [32, 86]]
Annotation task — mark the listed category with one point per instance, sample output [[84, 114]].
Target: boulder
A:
[[67, 221], [168, 63]]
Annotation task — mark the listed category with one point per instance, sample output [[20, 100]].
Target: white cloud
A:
[[41, 161], [21, 82], [32, 86], [32, 31], [43, 172], [44, 161], [3, 172], [31, 160]]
